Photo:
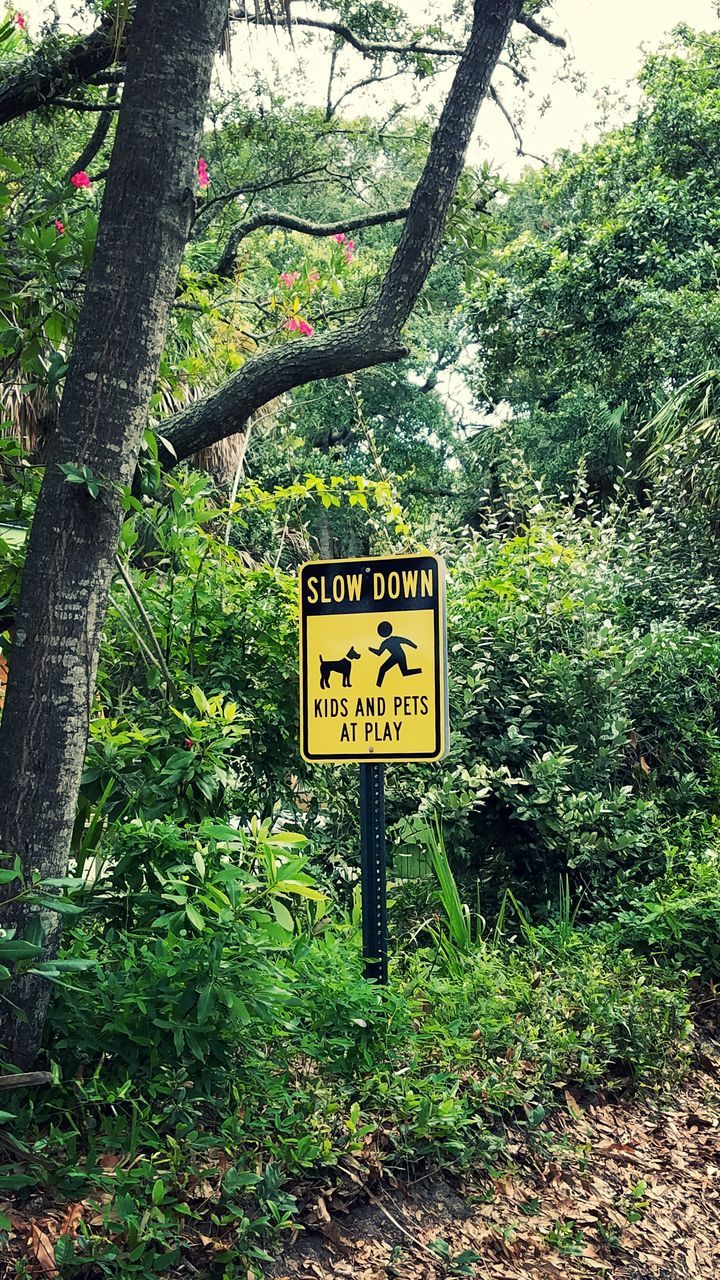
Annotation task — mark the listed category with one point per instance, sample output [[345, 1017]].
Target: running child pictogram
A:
[[394, 646]]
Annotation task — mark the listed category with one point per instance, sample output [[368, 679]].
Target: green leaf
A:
[[55, 328], [206, 1002], [301, 890], [282, 915], [11, 949], [61, 905], [200, 700], [64, 1250], [239, 1009], [194, 917]]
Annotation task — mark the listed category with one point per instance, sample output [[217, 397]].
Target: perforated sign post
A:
[[373, 688]]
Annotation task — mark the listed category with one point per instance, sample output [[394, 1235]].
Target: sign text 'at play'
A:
[[373, 659]]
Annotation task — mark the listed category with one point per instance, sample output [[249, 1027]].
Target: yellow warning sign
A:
[[373, 659]]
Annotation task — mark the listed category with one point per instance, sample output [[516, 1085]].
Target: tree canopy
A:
[[600, 299]]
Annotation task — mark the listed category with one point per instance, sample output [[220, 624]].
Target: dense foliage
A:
[[600, 298]]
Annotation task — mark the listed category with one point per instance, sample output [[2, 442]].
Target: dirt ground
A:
[[616, 1190]]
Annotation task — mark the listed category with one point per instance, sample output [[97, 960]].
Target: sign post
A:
[[373, 689], [373, 870]]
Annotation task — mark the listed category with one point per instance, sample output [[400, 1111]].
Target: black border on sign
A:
[[442, 717]]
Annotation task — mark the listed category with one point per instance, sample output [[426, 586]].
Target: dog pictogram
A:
[[343, 665], [394, 647]]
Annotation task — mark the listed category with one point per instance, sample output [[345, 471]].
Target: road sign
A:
[[373, 659]]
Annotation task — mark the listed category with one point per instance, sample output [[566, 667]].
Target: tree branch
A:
[[72, 105], [42, 75], [532, 24], [368, 48], [213, 205], [375, 337], [97, 137], [495, 96], [353, 88], [227, 410], [274, 218]]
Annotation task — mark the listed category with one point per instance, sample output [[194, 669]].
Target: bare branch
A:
[[532, 24], [215, 203], [97, 137], [368, 48], [495, 96], [108, 77], [361, 84], [274, 218], [26, 1080], [73, 105], [329, 108], [519, 145], [510, 66]]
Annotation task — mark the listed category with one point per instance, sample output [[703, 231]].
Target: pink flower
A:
[[288, 278], [340, 238], [296, 325], [59, 227], [202, 173], [349, 250], [20, 21], [313, 277], [80, 179]]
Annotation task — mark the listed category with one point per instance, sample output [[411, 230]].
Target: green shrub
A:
[[676, 917]]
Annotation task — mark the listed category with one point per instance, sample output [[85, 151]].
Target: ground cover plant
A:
[[213, 1082]]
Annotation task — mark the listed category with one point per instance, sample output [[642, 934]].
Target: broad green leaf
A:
[[194, 917]]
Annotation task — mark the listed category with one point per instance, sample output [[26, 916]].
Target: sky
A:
[[605, 41]]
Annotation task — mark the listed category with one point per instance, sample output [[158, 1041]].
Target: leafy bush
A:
[[675, 917], [584, 696]]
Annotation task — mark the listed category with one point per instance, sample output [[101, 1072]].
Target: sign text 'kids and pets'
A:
[[373, 664]]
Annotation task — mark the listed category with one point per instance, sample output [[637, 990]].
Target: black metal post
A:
[[373, 869]]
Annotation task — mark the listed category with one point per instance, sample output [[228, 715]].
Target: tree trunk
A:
[[144, 224]]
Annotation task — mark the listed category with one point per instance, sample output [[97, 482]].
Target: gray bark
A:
[[144, 225]]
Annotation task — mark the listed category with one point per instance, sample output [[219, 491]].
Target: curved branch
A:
[[332, 107], [375, 337], [226, 411], [210, 207], [532, 24], [368, 48], [42, 75], [274, 218]]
